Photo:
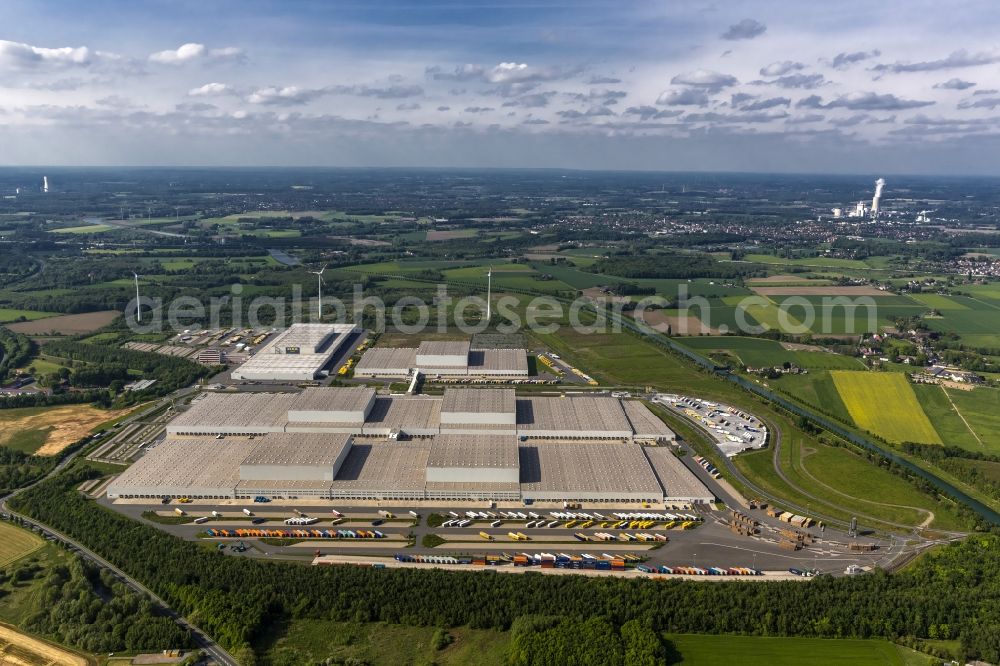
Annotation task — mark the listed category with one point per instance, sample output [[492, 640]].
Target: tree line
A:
[[949, 593]]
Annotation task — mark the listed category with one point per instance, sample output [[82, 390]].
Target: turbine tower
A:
[[319, 285], [138, 303], [489, 290]]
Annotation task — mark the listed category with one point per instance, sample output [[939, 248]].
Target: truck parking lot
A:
[[693, 537]]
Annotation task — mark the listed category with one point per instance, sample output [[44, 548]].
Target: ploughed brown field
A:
[[73, 324]]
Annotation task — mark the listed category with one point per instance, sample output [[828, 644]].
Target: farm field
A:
[[10, 314], [23, 650], [981, 409], [816, 389], [83, 229], [450, 234], [16, 543], [884, 403], [698, 650], [47, 431], [74, 324], [757, 352], [826, 262], [821, 290], [936, 403]]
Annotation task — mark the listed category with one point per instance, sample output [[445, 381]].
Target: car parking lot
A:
[[732, 429]]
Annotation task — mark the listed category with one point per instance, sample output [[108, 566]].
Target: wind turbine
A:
[[138, 303], [489, 289], [319, 285]]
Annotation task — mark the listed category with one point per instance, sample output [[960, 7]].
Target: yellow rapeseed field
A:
[[884, 403]]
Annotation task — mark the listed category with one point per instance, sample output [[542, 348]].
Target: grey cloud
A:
[[706, 79], [387, 92], [954, 60], [532, 101], [444, 108], [766, 104], [922, 119], [592, 112], [806, 118], [781, 68], [651, 112], [850, 121], [740, 98], [712, 117], [535, 121], [954, 84], [408, 106], [478, 109], [799, 81], [745, 29], [602, 97], [981, 103], [603, 80], [986, 91], [842, 60], [295, 96], [863, 101], [467, 72], [686, 97]]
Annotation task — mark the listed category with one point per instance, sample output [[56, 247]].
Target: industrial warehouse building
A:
[[470, 444], [360, 411], [442, 358], [299, 353]]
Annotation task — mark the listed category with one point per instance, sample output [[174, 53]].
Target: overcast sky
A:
[[898, 86]]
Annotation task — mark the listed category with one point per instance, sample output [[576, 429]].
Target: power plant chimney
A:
[[879, 184]]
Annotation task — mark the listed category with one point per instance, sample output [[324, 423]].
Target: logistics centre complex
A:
[[467, 444]]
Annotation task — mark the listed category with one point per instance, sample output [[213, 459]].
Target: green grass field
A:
[[758, 352], [937, 405], [83, 229], [884, 403], [825, 262], [10, 314], [981, 409], [313, 641], [816, 389], [696, 650], [16, 543]]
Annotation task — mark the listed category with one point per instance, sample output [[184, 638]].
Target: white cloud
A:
[[781, 68], [705, 78], [683, 98], [17, 55], [193, 52], [211, 89]]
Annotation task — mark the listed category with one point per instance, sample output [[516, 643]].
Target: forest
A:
[[84, 607], [15, 350], [947, 594], [170, 372], [674, 265]]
